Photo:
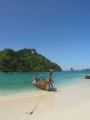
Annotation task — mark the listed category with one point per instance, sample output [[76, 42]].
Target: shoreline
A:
[[39, 92], [68, 103]]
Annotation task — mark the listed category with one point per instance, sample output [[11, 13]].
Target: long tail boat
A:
[[42, 83]]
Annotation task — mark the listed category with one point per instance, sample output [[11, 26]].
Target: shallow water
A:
[[21, 82]]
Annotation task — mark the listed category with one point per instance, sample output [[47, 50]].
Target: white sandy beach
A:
[[72, 103]]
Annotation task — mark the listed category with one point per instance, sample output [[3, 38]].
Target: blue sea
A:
[[17, 82]]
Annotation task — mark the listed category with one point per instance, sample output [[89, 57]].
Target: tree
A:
[[25, 60]]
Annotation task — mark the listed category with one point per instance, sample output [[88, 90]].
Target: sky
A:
[[57, 29]]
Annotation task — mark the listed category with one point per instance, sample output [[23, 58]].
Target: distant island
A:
[[71, 69], [25, 60]]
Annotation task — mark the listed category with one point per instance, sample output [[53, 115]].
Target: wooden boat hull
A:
[[41, 84]]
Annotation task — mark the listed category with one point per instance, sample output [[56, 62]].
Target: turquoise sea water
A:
[[21, 82]]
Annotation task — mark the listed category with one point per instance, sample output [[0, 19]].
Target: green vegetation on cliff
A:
[[24, 60]]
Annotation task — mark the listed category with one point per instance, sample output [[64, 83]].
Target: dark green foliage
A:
[[25, 60]]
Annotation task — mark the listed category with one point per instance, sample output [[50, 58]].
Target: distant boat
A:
[[42, 83], [87, 77]]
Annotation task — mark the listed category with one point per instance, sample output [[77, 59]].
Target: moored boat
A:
[[43, 84], [87, 77]]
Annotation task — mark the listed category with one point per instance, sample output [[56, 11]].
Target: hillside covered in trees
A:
[[24, 60]]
